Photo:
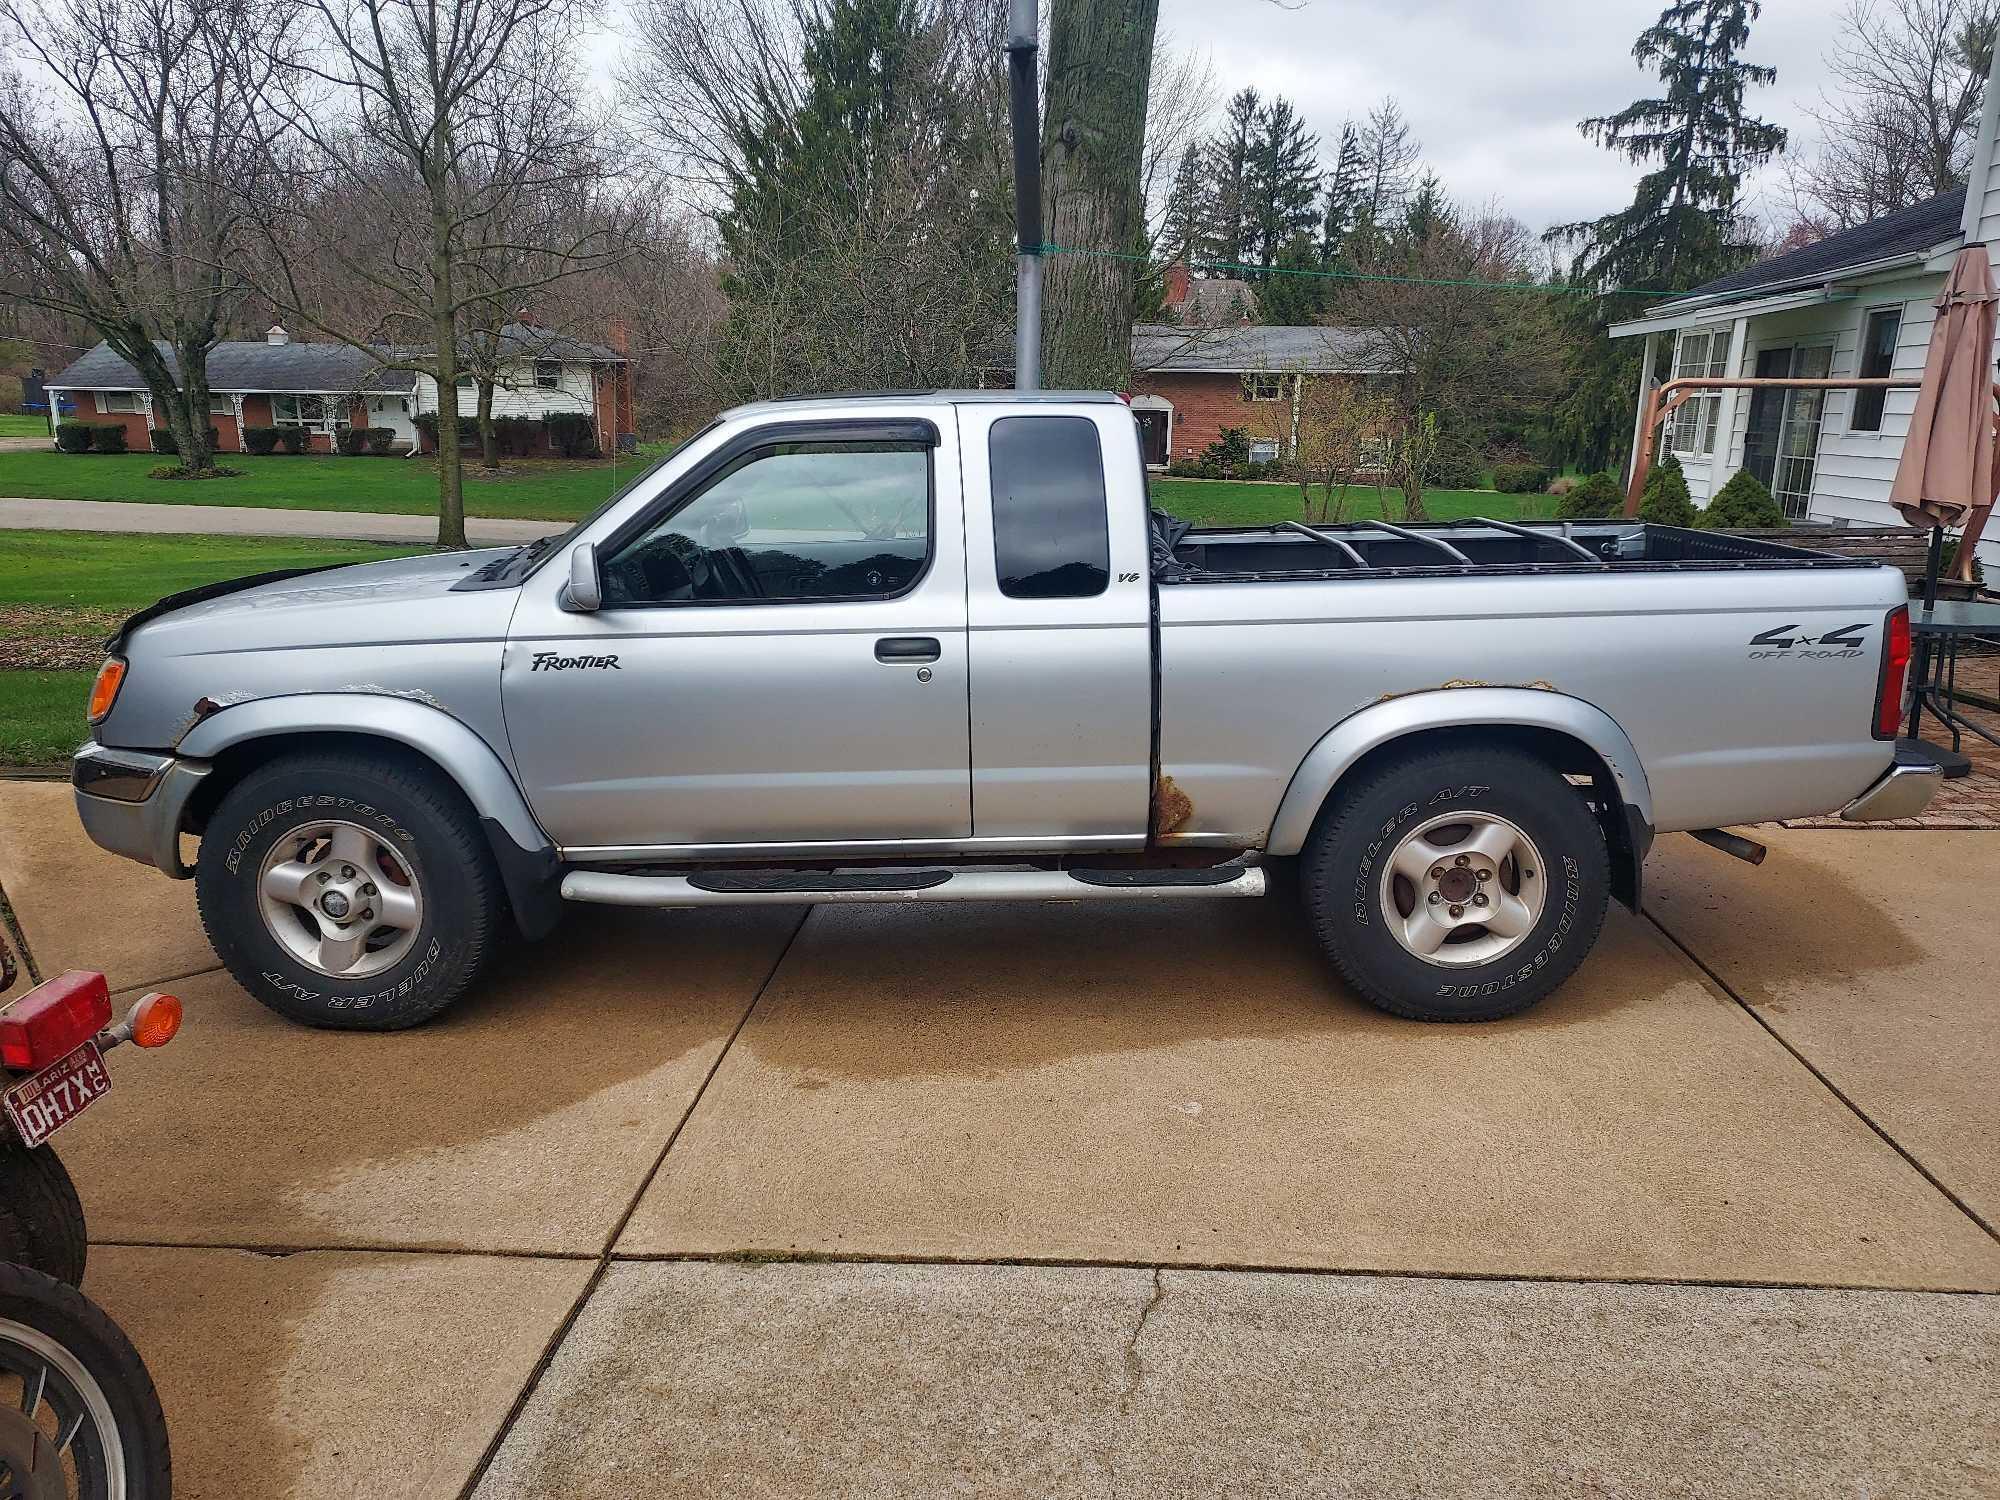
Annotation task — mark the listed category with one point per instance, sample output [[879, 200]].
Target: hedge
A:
[[164, 440], [294, 439], [572, 434], [1520, 479], [380, 440], [109, 437], [260, 439], [73, 437]]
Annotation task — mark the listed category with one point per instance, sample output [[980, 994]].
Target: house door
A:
[[1152, 436], [1781, 440]]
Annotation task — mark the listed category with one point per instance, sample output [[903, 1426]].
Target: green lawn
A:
[[1223, 502], [23, 424], [540, 489], [62, 591]]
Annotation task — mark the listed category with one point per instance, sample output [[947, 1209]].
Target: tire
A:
[[1375, 857], [367, 824], [41, 1218], [92, 1359]]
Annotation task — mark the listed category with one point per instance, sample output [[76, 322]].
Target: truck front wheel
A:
[[347, 890], [1457, 884]]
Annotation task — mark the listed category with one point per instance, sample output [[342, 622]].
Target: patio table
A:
[[1938, 631]]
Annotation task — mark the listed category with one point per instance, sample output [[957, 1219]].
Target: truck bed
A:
[[1291, 551]]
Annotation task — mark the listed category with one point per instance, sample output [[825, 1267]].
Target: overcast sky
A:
[[1493, 90]]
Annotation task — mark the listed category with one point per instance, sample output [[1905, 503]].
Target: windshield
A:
[[523, 560]]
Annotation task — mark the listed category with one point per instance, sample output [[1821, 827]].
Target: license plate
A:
[[42, 1105]]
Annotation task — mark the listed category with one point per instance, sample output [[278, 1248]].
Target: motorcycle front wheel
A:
[[79, 1418]]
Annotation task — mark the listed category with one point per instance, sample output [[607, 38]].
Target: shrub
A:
[[1562, 484], [164, 440], [1596, 498], [516, 436], [572, 434], [294, 439], [380, 440], [1744, 504], [1665, 500], [350, 440], [73, 437], [260, 439], [426, 423], [1455, 468], [1519, 479], [108, 437]]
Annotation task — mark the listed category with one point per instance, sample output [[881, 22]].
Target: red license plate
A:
[[42, 1105]]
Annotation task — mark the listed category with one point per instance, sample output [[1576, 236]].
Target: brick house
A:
[[323, 387], [1189, 383]]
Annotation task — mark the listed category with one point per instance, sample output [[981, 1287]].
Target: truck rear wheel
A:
[[349, 891], [1457, 884]]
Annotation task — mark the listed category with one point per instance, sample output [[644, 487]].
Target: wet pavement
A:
[[1071, 1200]]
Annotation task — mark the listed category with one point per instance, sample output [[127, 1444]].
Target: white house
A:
[[1858, 303]]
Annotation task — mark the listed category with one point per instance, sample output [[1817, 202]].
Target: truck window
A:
[[789, 524], [1050, 536]]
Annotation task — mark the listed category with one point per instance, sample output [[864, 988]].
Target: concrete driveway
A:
[[1072, 1201]]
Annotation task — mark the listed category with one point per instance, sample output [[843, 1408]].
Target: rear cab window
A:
[[1051, 535]]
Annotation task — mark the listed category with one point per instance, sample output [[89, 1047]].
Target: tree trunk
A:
[[489, 443], [1093, 144], [451, 463]]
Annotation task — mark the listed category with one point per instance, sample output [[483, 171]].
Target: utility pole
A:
[[1023, 49]]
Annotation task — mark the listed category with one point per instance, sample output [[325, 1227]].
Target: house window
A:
[[1264, 387], [1878, 358], [1700, 354], [220, 406], [315, 413], [548, 374], [110, 401], [1263, 450]]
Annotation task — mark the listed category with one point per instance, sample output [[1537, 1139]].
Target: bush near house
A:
[[73, 437], [1743, 504], [1520, 479], [1597, 498], [355, 441], [260, 439], [572, 434], [1455, 468], [108, 437], [164, 441], [294, 439], [517, 437], [1665, 500], [381, 441]]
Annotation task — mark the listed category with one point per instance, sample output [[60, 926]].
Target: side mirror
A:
[[586, 590]]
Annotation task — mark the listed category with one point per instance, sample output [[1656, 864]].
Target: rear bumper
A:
[[134, 802], [1905, 790]]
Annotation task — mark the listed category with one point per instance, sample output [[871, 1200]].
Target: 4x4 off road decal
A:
[[1784, 640]]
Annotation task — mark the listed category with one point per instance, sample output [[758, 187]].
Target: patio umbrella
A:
[[1947, 475]]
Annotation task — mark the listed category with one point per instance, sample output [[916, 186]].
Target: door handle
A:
[[902, 648]]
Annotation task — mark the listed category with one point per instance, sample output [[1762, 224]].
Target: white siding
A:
[[1982, 192], [517, 395]]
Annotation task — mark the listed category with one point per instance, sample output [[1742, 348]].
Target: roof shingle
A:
[[1914, 229]]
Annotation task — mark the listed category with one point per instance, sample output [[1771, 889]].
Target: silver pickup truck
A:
[[937, 647]]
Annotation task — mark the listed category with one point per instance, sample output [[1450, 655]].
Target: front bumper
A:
[[1905, 790], [134, 802]]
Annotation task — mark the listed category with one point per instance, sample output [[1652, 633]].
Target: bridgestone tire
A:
[[432, 830], [41, 1219], [64, 1315], [1341, 873]]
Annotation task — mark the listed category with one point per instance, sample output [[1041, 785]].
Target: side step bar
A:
[[779, 888]]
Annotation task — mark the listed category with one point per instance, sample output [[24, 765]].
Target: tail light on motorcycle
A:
[[53, 1020], [1895, 665]]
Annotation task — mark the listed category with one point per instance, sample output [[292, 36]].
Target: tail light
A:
[[104, 691], [53, 1020], [1895, 666]]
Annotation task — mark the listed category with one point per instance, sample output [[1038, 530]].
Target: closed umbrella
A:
[[1947, 475]]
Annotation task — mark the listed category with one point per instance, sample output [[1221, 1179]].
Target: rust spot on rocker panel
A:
[[1171, 807]]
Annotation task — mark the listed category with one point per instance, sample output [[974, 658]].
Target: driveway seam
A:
[[1831, 1087], [605, 1256]]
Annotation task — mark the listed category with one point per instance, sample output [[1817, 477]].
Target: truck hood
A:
[[396, 583]]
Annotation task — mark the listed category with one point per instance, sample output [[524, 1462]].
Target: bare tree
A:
[[125, 137], [1178, 104], [1898, 124], [428, 125], [1331, 431], [1389, 157]]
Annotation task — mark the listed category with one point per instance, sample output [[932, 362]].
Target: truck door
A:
[[1058, 591], [779, 658]]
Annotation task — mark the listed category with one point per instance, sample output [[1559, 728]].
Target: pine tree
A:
[[1281, 183], [1229, 166], [1293, 300], [1428, 214], [1680, 227], [1342, 207], [1388, 156], [1181, 234]]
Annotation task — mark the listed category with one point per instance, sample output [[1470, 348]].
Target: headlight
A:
[[104, 691]]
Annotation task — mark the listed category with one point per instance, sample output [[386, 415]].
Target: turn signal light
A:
[[53, 1020], [104, 691], [1895, 664], [155, 1020]]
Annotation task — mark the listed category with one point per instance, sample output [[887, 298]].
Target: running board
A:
[[788, 888]]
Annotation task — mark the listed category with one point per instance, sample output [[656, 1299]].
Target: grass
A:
[[538, 489], [23, 424], [1224, 502], [61, 592]]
